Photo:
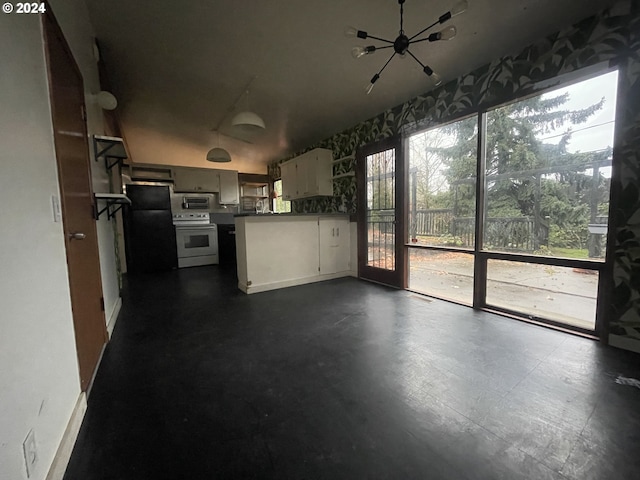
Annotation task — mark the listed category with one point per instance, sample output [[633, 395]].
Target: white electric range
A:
[[197, 239]]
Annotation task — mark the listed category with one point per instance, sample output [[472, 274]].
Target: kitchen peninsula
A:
[[281, 250]]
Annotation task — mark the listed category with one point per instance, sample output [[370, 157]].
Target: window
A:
[[548, 172], [442, 209], [280, 205], [544, 188]]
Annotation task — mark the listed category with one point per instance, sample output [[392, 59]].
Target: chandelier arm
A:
[[424, 30], [385, 65], [415, 58], [426, 39], [379, 39]]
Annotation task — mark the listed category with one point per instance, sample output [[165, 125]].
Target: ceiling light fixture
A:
[[106, 100], [218, 154], [248, 121], [402, 43]]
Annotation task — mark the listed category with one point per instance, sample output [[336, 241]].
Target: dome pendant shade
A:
[[248, 121], [218, 155]]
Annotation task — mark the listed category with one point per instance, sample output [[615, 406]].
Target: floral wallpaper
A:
[[612, 36]]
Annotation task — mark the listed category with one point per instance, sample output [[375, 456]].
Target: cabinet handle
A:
[[333, 232], [338, 232]]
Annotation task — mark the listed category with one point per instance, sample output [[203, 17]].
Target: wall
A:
[[612, 36], [39, 375], [39, 371], [154, 139]]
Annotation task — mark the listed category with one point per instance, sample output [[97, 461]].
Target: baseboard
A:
[[265, 287], [63, 454], [626, 343], [114, 316]]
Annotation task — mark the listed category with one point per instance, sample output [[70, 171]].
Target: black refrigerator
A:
[[150, 237]]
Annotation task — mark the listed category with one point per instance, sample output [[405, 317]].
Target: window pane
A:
[[563, 294], [447, 275], [442, 192], [280, 205], [381, 213], [548, 172]]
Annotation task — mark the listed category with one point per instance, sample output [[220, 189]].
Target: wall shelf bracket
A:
[[113, 203], [110, 148]]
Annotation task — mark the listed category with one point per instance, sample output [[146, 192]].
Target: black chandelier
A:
[[402, 43]]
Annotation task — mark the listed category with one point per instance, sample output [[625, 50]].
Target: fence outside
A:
[[504, 233]]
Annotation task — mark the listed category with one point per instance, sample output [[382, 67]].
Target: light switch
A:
[[55, 205]]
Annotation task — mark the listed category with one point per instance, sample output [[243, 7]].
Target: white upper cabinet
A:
[[308, 175], [198, 180], [206, 180], [229, 191], [289, 184]]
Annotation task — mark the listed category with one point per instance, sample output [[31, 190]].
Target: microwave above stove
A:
[[195, 203]]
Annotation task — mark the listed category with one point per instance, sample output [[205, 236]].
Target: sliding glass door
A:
[[518, 225]]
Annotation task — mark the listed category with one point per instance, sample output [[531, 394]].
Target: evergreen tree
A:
[[526, 175]]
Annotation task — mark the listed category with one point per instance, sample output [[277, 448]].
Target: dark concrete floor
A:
[[347, 380]]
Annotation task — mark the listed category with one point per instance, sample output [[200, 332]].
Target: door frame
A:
[[395, 278], [50, 28]]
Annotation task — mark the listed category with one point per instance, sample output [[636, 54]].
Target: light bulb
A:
[[459, 8], [350, 32], [358, 51], [368, 87], [432, 75], [448, 33]]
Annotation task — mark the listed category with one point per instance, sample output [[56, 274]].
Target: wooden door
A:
[[81, 240], [381, 206]]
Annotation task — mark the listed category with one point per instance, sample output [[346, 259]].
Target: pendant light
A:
[[402, 43], [247, 120], [218, 154]]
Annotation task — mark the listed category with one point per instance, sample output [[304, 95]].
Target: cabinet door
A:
[[198, 180], [334, 239], [229, 194], [311, 177], [343, 253], [323, 172], [289, 184], [186, 180]]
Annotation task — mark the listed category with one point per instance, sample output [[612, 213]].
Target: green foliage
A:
[[526, 177]]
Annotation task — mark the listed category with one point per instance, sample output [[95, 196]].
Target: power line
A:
[[579, 130]]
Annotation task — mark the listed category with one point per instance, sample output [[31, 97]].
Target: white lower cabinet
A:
[[277, 251], [334, 240]]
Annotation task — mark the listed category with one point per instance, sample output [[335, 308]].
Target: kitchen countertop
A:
[[352, 217]]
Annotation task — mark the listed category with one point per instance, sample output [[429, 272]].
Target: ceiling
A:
[[179, 69]]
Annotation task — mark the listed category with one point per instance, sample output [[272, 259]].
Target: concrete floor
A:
[[562, 294], [347, 380]]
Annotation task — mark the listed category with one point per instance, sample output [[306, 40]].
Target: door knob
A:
[[77, 236]]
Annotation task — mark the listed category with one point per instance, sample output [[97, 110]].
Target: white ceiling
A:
[[178, 67]]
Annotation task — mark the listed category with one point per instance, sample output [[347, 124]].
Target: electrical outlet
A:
[[30, 452]]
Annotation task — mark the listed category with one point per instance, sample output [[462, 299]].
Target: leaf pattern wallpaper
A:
[[612, 36]]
